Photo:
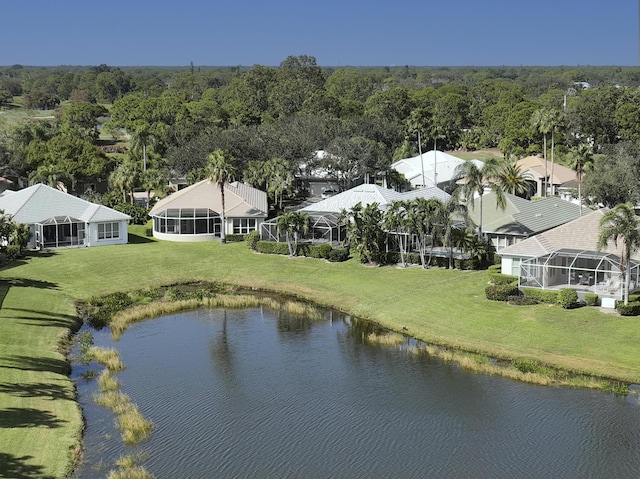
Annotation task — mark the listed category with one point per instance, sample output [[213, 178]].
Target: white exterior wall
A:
[[91, 234], [182, 238], [507, 265]]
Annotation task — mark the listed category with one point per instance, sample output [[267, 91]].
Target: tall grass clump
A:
[[108, 357], [132, 425], [136, 472], [387, 339], [107, 382]]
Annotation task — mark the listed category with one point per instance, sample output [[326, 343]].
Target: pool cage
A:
[[323, 228], [582, 270], [60, 231]]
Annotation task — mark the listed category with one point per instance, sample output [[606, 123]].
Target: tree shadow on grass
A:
[[31, 283], [28, 363], [15, 467], [46, 318], [28, 417], [41, 390]]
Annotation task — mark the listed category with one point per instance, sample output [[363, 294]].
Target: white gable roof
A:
[[40, 202], [367, 194], [435, 163]]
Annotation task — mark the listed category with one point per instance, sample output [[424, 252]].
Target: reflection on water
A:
[[259, 394]]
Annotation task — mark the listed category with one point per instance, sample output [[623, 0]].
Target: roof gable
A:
[[40, 202], [433, 163], [240, 199]]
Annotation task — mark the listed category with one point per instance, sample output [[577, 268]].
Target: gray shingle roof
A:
[[522, 217], [40, 202]]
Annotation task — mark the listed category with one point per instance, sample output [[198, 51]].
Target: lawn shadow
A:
[[137, 239], [15, 467], [28, 363], [31, 283], [28, 417], [43, 390]]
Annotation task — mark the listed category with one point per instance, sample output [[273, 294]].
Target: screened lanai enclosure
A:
[[60, 231], [187, 221], [585, 271], [324, 227]]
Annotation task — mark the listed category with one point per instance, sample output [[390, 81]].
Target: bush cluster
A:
[[101, 309], [323, 251], [501, 292], [252, 239], [549, 296], [631, 309], [436, 261], [139, 214]]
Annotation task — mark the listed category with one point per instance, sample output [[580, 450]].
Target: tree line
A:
[[271, 120]]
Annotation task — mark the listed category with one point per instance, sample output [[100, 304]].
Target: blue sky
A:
[[337, 33]]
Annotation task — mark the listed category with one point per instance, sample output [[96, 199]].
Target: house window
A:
[[243, 226], [108, 231]]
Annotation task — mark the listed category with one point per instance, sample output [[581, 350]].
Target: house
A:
[[568, 257], [521, 218], [324, 214], [194, 213], [558, 179], [57, 219], [433, 168]]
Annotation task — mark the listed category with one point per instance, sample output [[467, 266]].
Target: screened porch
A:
[[585, 271], [323, 228], [60, 231]]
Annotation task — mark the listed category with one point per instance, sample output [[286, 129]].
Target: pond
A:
[[261, 394]]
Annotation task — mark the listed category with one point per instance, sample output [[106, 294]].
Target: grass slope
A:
[[438, 306]]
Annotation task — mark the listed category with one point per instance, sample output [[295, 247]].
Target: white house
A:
[[57, 219], [432, 168], [194, 213]]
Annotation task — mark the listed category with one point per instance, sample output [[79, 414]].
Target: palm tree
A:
[[511, 179], [395, 221], [124, 178], [554, 119], [221, 170], [541, 122], [475, 181], [621, 223], [447, 214], [582, 160], [294, 225], [152, 179], [422, 223], [364, 231], [141, 136]]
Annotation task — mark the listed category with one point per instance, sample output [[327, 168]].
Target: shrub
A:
[[568, 298], [139, 214], [494, 268], [234, 238], [499, 278], [318, 251], [631, 309], [522, 300], [591, 299], [252, 239], [338, 255], [103, 308], [272, 247], [549, 296], [635, 297], [501, 292]]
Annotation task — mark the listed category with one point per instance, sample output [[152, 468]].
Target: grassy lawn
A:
[[439, 306]]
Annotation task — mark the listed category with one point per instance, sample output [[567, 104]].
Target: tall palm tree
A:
[[141, 137], [541, 122], [422, 223], [152, 179], [395, 221], [221, 170], [476, 180], [294, 225], [447, 215], [554, 118], [621, 223], [582, 160]]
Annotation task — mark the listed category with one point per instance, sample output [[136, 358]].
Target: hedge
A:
[[323, 251], [631, 309], [252, 239], [499, 278], [543, 295], [501, 292], [234, 238]]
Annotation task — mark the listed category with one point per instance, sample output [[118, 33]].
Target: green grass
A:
[[436, 306]]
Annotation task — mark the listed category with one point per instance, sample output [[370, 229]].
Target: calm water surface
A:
[[258, 394]]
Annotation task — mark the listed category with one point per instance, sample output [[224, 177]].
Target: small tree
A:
[[294, 225], [621, 223]]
